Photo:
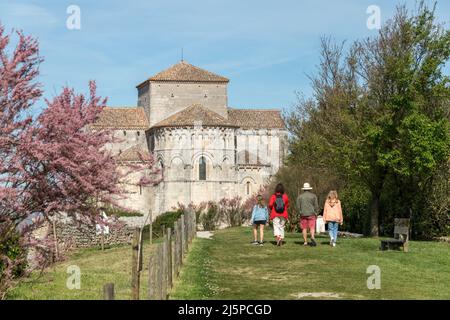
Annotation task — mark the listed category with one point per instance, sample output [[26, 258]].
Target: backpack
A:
[[279, 203]]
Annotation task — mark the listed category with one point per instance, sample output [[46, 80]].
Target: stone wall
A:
[[238, 163], [168, 98], [127, 138], [136, 198], [133, 222], [72, 235]]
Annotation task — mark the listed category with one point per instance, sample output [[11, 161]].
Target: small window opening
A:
[[202, 169]]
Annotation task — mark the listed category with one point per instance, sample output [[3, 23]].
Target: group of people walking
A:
[[308, 207]]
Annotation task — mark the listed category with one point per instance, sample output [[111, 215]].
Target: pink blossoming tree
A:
[[54, 164], [19, 90]]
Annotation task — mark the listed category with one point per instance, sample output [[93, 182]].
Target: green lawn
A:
[[97, 268], [229, 267]]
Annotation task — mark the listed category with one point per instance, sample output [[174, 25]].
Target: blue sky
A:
[[266, 48]]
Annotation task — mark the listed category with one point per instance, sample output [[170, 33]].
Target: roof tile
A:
[[122, 118], [195, 115], [183, 71], [132, 154], [256, 119]]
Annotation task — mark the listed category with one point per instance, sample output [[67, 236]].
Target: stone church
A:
[[206, 150]]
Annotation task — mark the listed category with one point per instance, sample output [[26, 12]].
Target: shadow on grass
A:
[[275, 243]]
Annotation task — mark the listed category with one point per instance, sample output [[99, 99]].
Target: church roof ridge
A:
[[122, 107], [193, 114], [254, 109], [185, 72]]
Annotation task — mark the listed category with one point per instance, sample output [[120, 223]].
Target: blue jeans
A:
[[333, 230]]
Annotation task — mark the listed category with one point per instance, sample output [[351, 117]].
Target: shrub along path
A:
[[229, 267]]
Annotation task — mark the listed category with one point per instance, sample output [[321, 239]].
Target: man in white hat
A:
[[309, 208]]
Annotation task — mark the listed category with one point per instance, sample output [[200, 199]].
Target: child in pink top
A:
[[332, 213]]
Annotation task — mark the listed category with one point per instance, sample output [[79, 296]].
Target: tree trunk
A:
[[374, 214]]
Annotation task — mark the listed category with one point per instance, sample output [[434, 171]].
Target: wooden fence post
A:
[[190, 226], [135, 265], [174, 250], [102, 240], [183, 239], [141, 249], [150, 226], [178, 249], [55, 238], [159, 272], [169, 259], [186, 233], [195, 224], [152, 277], [164, 269], [108, 291], [188, 217]]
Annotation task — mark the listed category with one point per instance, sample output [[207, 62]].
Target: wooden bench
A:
[[401, 236]]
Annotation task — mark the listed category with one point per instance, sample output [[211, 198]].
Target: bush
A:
[[12, 249], [426, 205], [232, 211], [120, 212], [355, 208], [198, 209], [211, 217], [13, 261], [166, 219]]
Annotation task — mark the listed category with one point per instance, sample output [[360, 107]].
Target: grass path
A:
[[229, 267]]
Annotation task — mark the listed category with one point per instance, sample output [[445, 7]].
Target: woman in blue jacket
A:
[[260, 216]]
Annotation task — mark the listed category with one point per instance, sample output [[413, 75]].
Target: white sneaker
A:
[[334, 244]]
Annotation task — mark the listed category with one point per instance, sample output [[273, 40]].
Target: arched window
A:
[[248, 188], [202, 169]]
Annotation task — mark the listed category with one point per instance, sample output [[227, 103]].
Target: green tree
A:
[[380, 110]]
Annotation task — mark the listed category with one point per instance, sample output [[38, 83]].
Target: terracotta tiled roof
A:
[[183, 71], [132, 154], [195, 115], [256, 119], [122, 118]]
